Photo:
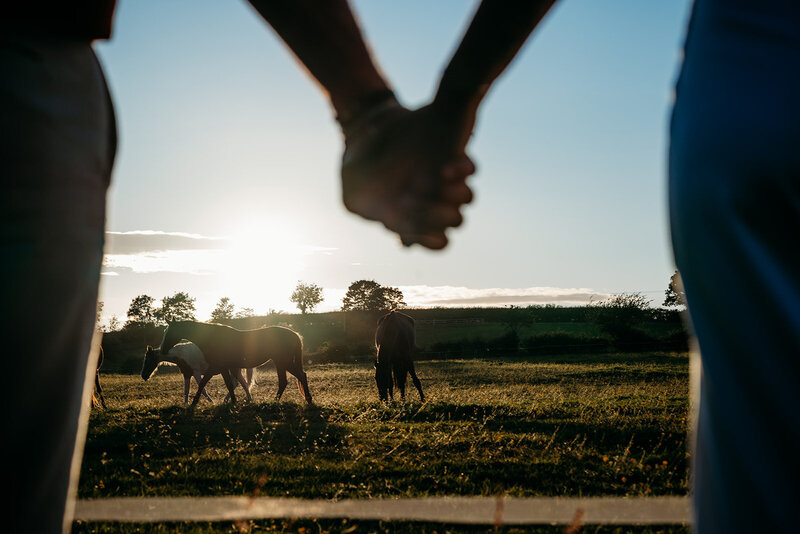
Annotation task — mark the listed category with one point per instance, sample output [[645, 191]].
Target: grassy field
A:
[[610, 424]]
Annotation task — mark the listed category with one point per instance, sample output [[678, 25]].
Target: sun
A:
[[263, 262]]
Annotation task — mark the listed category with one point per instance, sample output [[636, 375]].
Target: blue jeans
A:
[[57, 149], [734, 193]]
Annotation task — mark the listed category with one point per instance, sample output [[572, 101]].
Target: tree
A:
[[368, 295], [392, 298], [113, 324], [99, 314], [621, 315], [675, 295], [141, 310], [223, 313], [178, 307], [306, 296], [244, 313]]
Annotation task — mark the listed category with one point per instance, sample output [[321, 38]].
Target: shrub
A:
[[333, 353]]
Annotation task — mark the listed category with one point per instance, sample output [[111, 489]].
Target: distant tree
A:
[[368, 295], [675, 295], [621, 315], [243, 313], [306, 296], [392, 298], [515, 318], [141, 310], [223, 313], [114, 324], [178, 307], [99, 314]]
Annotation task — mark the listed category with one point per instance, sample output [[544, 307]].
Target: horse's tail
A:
[[297, 357]]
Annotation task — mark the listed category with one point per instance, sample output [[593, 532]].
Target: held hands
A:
[[408, 170]]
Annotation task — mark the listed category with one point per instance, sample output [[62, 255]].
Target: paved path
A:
[[472, 510]]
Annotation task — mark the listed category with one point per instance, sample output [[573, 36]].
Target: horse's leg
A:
[[416, 381], [250, 374], [201, 387], [197, 377], [99, 388], [244, 383], [302, 382], [281, 382], [186, 380], [230, 382]]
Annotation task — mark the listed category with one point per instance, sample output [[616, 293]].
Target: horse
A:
[[227, 348], [395, 339], [98, 390], [191, 362]]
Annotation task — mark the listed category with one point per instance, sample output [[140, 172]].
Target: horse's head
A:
[[151, 361], [171, 337], [383, 378]]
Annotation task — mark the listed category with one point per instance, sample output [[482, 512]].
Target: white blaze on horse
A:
[[395, 339], [226, 349], [192, 363]]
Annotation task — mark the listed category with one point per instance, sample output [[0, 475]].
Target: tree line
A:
[[362, 295], [616, 312]]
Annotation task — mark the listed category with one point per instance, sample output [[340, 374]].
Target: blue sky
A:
[[226, 181]]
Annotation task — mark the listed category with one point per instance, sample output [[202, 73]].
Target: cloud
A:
[[151, 251], [464, 296], [141, 241], [197, 262]]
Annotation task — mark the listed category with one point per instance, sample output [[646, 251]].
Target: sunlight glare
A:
[[263, 263]]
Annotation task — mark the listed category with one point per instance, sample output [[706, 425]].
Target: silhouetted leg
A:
[[245, 384], [201, 387], [417, 383], [230, 382], [99, 389], [281, 383], [55, 162], [302, 384], [197, 377], [250, 377]]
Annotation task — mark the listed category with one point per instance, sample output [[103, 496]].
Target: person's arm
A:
[[495, 35], [326, 39]]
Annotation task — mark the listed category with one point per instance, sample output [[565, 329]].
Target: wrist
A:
[[453, 100], [361, 111]]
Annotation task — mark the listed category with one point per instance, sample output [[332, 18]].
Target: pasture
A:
[[606, 424]]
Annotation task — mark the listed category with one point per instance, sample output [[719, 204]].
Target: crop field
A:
[[588, 425]]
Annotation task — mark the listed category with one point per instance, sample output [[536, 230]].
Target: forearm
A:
[[326, 39], [497, 32]]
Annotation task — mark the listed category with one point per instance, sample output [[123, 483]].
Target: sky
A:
[[226, 180]]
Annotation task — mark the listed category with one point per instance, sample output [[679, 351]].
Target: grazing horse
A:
[[226, 348], [395, 340], [98, 390], [191, 362]]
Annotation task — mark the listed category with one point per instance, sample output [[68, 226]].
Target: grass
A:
[[611, 424]]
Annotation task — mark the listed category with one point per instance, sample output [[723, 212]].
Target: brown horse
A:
[[227, 349], [395, 339]]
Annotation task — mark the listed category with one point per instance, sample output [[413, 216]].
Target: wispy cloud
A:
[[197, 262], [143, 241], [151, 251], [465, 296]]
